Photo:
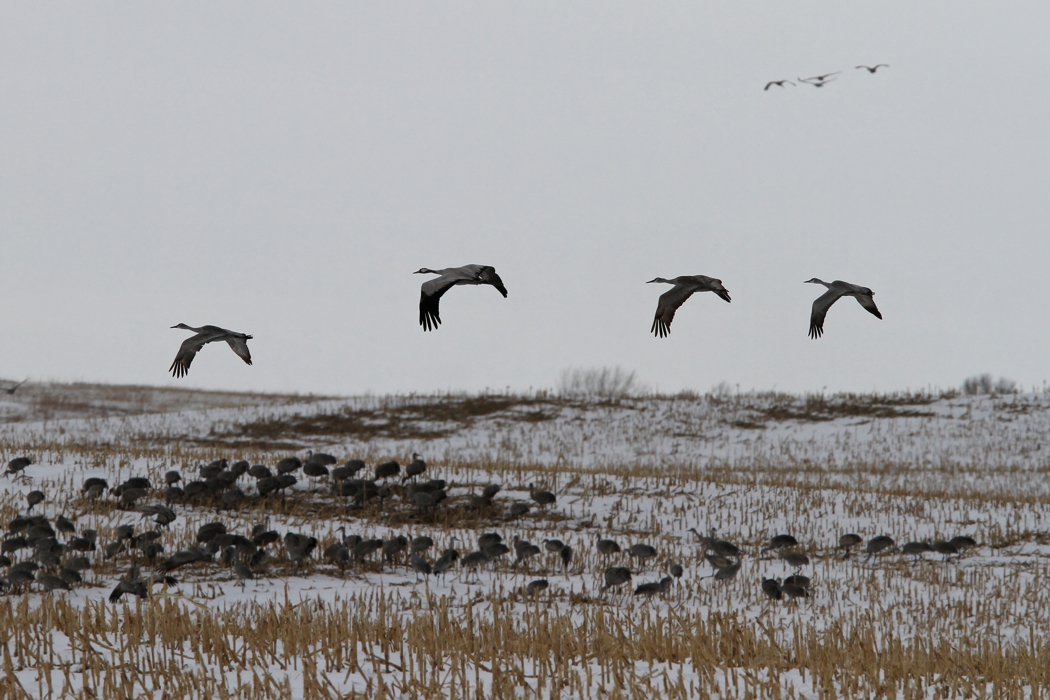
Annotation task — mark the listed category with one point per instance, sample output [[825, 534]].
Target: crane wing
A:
[[868, 303], [820, 310], [187, 351], [665, 308], [711, 284], [488, 275], [240, 346], [429, 296]]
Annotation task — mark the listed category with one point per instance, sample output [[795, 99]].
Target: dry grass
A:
[[445, 648], [957, 629]]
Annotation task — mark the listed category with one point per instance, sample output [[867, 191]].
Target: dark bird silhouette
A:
[[915, 549], [819, 80], [475, 559], [445, 561], [387, 470], [10, 390], [780, 542], [684, 287], [642, 551], [616, 576], [17, 466], [414, 468], [726, 573], [536, 586], [651, 589], [517, 509], [794, 559], [947, 549], [420, 565], [720, 547], [872, 69], [566, 557], [837, 290], [432, 290], [543, 498], [771, 587], [848, 542], [238, 342], [878, 544], [779, 83], [794, 591], [33, 498]]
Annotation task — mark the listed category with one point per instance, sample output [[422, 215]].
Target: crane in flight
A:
[[432, 290], [872, 69], [238, 342], [837, 290], [10, 390], [820, 80], [684, 287], [778, 83]]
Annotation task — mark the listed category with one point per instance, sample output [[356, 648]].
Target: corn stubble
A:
[[945, 630]]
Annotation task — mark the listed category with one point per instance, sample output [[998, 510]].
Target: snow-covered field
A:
[[642, 470]]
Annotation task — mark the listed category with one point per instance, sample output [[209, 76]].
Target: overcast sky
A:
[[282, 169]]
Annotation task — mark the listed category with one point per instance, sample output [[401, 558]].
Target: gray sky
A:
[[282, 169]]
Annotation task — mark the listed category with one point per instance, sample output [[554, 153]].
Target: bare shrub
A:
[[599, 383], [984, 384]]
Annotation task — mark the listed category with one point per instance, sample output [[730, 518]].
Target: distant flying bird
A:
[[779, 83], [837, 289], [238, 342], [819, 79], [872, 69], [431, 290], [684, 287], [12, 389]]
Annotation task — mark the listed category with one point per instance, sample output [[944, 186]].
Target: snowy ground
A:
[[914, 467]]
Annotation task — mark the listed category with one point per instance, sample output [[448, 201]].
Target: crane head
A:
[[182, 326], [423, 271]]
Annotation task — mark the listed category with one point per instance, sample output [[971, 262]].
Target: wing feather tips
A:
[[429, 317], [178, 368], [660, 329]]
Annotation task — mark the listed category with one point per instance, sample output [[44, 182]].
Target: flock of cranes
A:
[[822, 80], [432, 290], [60, 551]]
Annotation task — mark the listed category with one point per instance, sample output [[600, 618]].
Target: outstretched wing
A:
[[711, 284], [240, 346], [488, 275], [820, 310], [665, 308], [868, 303], [429, 296], [187, 351]]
